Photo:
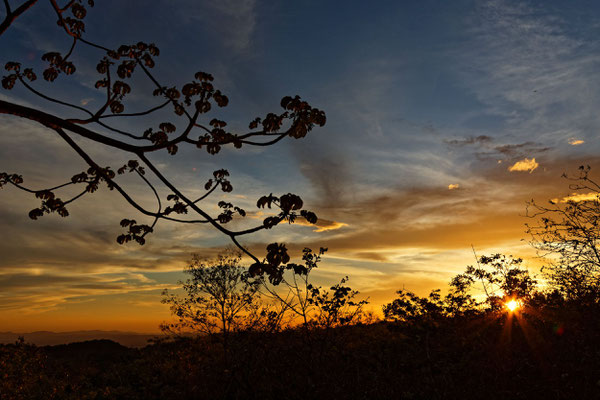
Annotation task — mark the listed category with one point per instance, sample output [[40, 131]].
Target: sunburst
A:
[[512, 305]]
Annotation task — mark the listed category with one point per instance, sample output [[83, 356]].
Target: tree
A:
[[336, 306], [502, 279], [219, 297], [408, 307], [182, 107], [568, 229]]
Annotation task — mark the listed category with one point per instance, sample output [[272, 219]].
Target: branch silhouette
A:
[[187, 125], [12, 15]]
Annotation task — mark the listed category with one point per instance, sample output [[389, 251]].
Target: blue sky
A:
[[496, 98]]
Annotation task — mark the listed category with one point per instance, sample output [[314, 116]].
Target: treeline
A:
[[547, 352]]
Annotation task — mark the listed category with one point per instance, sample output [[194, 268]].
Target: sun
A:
[[512, 305]]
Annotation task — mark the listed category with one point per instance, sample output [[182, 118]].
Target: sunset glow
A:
[[437, 134], [217, 199]]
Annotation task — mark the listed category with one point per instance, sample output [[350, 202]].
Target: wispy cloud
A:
[[34, 293], [471, 140], [330, 227], [487, 148], [233, 22], [532, 71], [322, 225], [518, 150]]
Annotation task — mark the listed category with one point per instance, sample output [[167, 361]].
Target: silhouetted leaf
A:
[[117, 107], [8, 82], [310, 217], [35, 213], [289, 202], [12, 66], [29, 74], [50, 74]]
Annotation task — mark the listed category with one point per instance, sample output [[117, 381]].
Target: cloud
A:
[[480, 140], [40, 292], [231, 21], [453, 186], [489, 150], [532, 71], [330, 227], [512, 152], [576, 142], [485, 213], [577, 197], [516, 150], [322, 225], [329, 173], [524, 165], [488, 213]]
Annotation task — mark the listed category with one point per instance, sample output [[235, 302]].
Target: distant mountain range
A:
[[47, 338]]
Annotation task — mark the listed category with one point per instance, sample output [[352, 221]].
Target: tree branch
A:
[[53, 122], [12, 15]]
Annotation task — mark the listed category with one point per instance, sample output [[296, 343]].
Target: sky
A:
[[443, 120]]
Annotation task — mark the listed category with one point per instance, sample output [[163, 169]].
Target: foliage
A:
[[21, 367], [569, 230], [336, 306], [408, 307], [183, 108]]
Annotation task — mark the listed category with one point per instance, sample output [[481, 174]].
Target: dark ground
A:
[[553, 355]]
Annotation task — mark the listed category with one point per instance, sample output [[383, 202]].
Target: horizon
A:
[[443, 121]]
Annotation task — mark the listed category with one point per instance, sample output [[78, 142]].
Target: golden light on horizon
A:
[[512, 305]]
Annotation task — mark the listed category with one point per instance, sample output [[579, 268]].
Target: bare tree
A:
[[568, 231], [184, 107], [219, 297]]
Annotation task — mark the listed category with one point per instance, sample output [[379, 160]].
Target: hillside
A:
[[47, 338]]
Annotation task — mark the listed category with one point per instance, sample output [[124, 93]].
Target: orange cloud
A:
[[525, 164], [453, 186], [575, 142], [322, 225], [330, 226], [577, 197]]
